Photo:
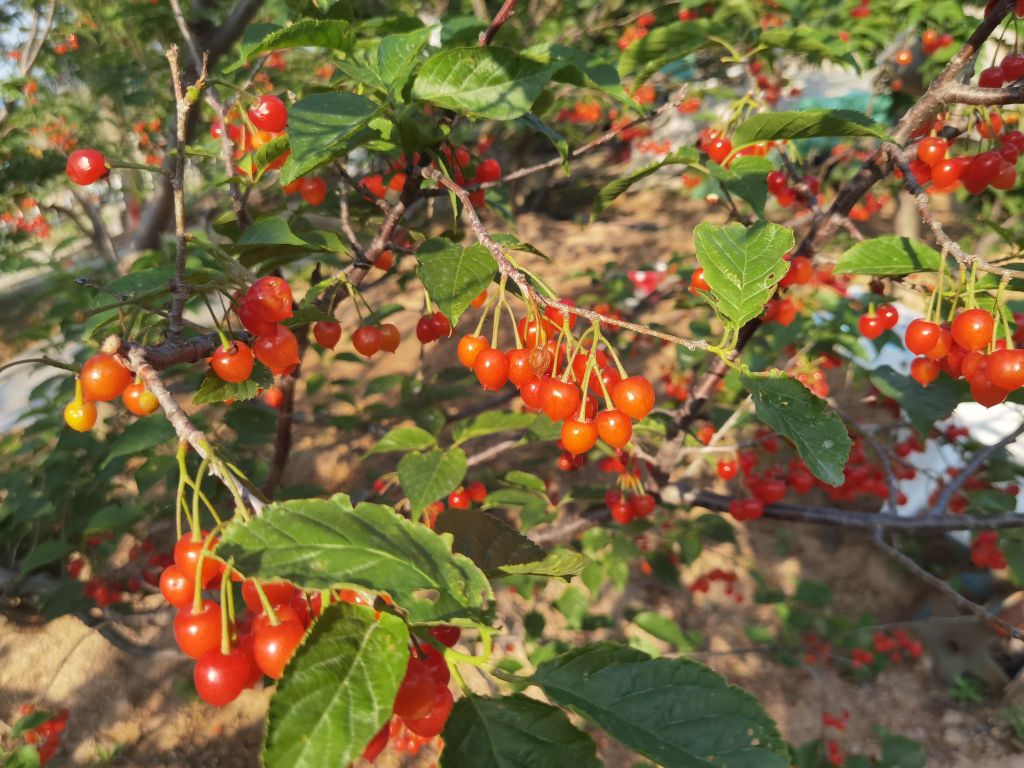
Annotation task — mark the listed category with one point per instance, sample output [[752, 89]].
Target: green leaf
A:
[[816, 43], [271, 231], [319, 127], [806, 124], [513, 732], [560, 143], [427, 477], [490, 423], [789, 408], [663, 45], [139, 437], [901, 752], [214, 389], [25, 756], [923, 405], [44, 553], [562, 563], [397, 56], [311, 33], [664, 628], [452, 275], [742, 265], [606, 196], [404, 439], [525, 480], [492, 82], [746, 178], [337, 690], [888, 255], [323, 543], [675, 711]]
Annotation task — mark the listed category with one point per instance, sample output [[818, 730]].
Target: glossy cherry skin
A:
[[614, 427], [889, 315], [727, 469], [921, 336], [186, 557], [973, 329], [269, 114], [871, 326], [271, 299], [104, 378], [313, 190], [273, 647], [519, 369], [425, 329], [277, 592], [578, 437], [446, 635], [233, 364], [415, 697], [251, 319], [1005, 368], [641, 505], [278, 351], [469, 347], [488, 170], [198, 632], [86, 166], [139, 400], [176, 587], [219, 678], [327, 333], [491, 369], [433, 723], [924, 371], [80, 416], [390, 337], [559, 399], [634, 397], [985, 392], [931, 151], [367, 340]]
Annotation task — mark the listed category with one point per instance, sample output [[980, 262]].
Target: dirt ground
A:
[[137, 710]]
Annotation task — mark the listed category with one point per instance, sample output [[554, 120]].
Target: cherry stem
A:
[[128, 164], [618, 363], [512, 317], [999, 306], [265, 602], [200, 474], [179, 501], [483, 315], [41, 361], [225, 588], [591, 361]]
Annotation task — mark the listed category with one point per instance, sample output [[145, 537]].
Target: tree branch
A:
[[507, 10]]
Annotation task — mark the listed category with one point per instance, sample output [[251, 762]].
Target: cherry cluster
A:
[[35, 225], [704, 582], [45, 736], [996, 167], [258, 126], [986, 553], [104, 378]]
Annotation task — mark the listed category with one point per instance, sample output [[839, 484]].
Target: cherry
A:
[[390, 337], [578, 437], [519, 370], [269, 114], [327, 333], [1006, 179], [1013, 66], [277, 592], [197, 632], [278, 351], [458, 499], [433, 723], [441, 324], [559, 399], [972, 364], [727, 469], [415, 697], [1005, 368], [771, 490], [973, 329], [270, 298], [249, 314], [378, 743], [946, 174], [634, 396], [284, 612], [992, 77], [186, 557], [698, 282], [801, 272], [446, 635], [104, 378], [889, 315], [470, 347], [385, 261], [80, 415], [642, 505], [746, 509], [477, 491], [367, 340], [220, 677], [177, 588], [556, 317], [931, 151], [86, 166], [139, 400], [924, 371], [488, 170], [921, 336], [233, 364], [871, 326], [718, 149], [985, 392], [777, 181], [425, 329], [313, 190], [980, 170], [614, 427], [801, 482], [272, 647], [530, 392], [491, 369]]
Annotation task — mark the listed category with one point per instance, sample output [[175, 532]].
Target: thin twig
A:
[[508, 8], [979, 458]]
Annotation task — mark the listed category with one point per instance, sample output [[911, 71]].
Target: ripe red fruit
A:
[[718, 149], [470, 347], [488, 170], [378, 743], [801, 271], [556, 317], [727, 469], [390, 337], [578, 437], [985, 392], [519, 369], [104, 378], [176, 587], [442, 327], [973, 329], [415, 697], [327, 333], [425, 329], [642, 505], [86, 166], [1005, 368], [924, 371], [777, 181], [197, 632], [889, 315], [1013, 66], [921, 336], [491, 369], [446, 635], [249, 314], [233, 364], [272, 647], [992, 77], [270, 299], [385, 261], [614, 427], [698, 282], [1006, 178], [946, 174], [278, 351], [219, 677], [931, 151], [367, 340], [801, 482], [313, 190], [871, 326], [433, 724], [277, 592], [634, 396], [477, 491], [139, 400], [980, 171], [269, 114], [458, 499], [186, 556], [746, 509], [559, 399]]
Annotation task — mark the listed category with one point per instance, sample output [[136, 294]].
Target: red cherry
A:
[[176, 587], [559, 399], [269, 114], [1005, 368], [634, 396], [278, 351], [470, 347], [477, 491], [973, 329], [727, 469], [433, 723], [931, 151], [249, 314], [871, 326], [980, 170], [415, 697], [801, 482], [746, 509], [458, 499], [313, 190], [556, 317], [86, 166], [277, 592], [186, 556], [198, 632], [992, 77], [921, 336], [946, 174], [390, 337], [985, 392], [614, 427], [972, 364], [1006, 179], [367, 340], [219, 677], [530, 392], [233, 364], [488, 170], [378, 743], [104, 378], [801, 272], [942, 346], [924, 371], [327, 333], [519, 370], [719, 149], [442, 327], [1013, 66], [272, 647], [889, 315], [491, 369], [446, 635], [139, 400], [777, 181], [270, 298], [642, 505], [425, 329], [578, 437], [698, 281]]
